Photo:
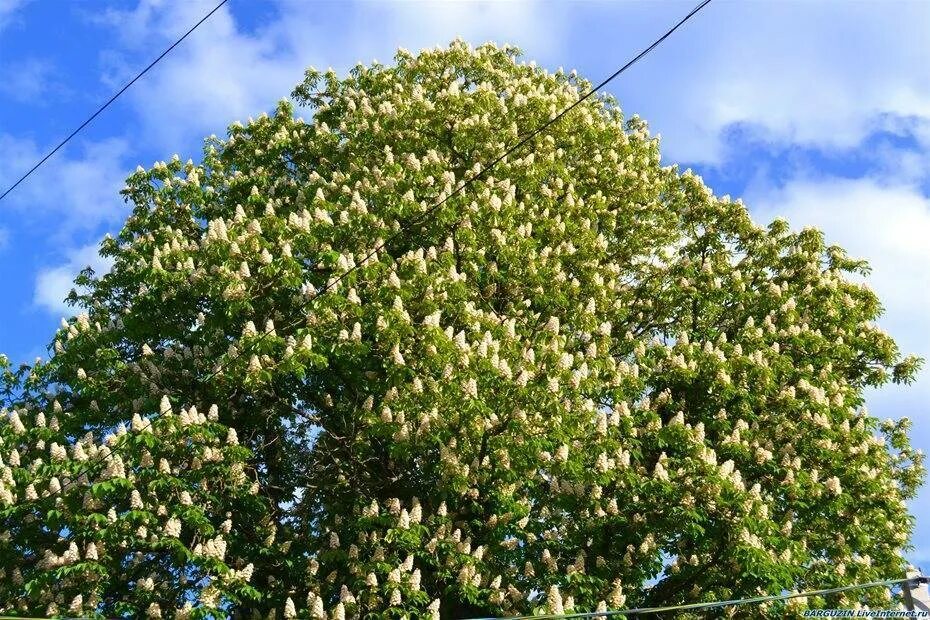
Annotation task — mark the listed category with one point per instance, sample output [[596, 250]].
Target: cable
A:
[[440, 201], [688, 607], [712, 605], [111, 100]]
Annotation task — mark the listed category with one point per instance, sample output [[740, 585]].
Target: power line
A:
[[111, 100], [716, 604], [440, 200]]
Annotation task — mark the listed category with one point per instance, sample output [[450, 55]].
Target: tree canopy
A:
[[583, 381]]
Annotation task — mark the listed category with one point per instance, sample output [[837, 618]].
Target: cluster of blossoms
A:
[[581, 374], [84, 518]]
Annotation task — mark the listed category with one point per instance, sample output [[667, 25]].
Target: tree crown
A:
[[581, 374]]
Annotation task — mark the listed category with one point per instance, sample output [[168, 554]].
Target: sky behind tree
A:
[[815, 111]]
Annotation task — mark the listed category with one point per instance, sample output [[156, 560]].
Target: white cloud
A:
[[375, 30], [222, 72], [822, 74], [217, 75], [79, 193], [838, 77], [54, 283]]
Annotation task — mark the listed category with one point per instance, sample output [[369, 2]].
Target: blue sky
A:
[[816, 111]]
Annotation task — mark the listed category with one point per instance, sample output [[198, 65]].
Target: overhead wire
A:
[[111, 100], [714, 604], [687, 607]]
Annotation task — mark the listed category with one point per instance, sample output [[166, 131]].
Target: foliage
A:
[[582, 374]]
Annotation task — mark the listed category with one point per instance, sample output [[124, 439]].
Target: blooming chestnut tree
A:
[[582, 382]]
